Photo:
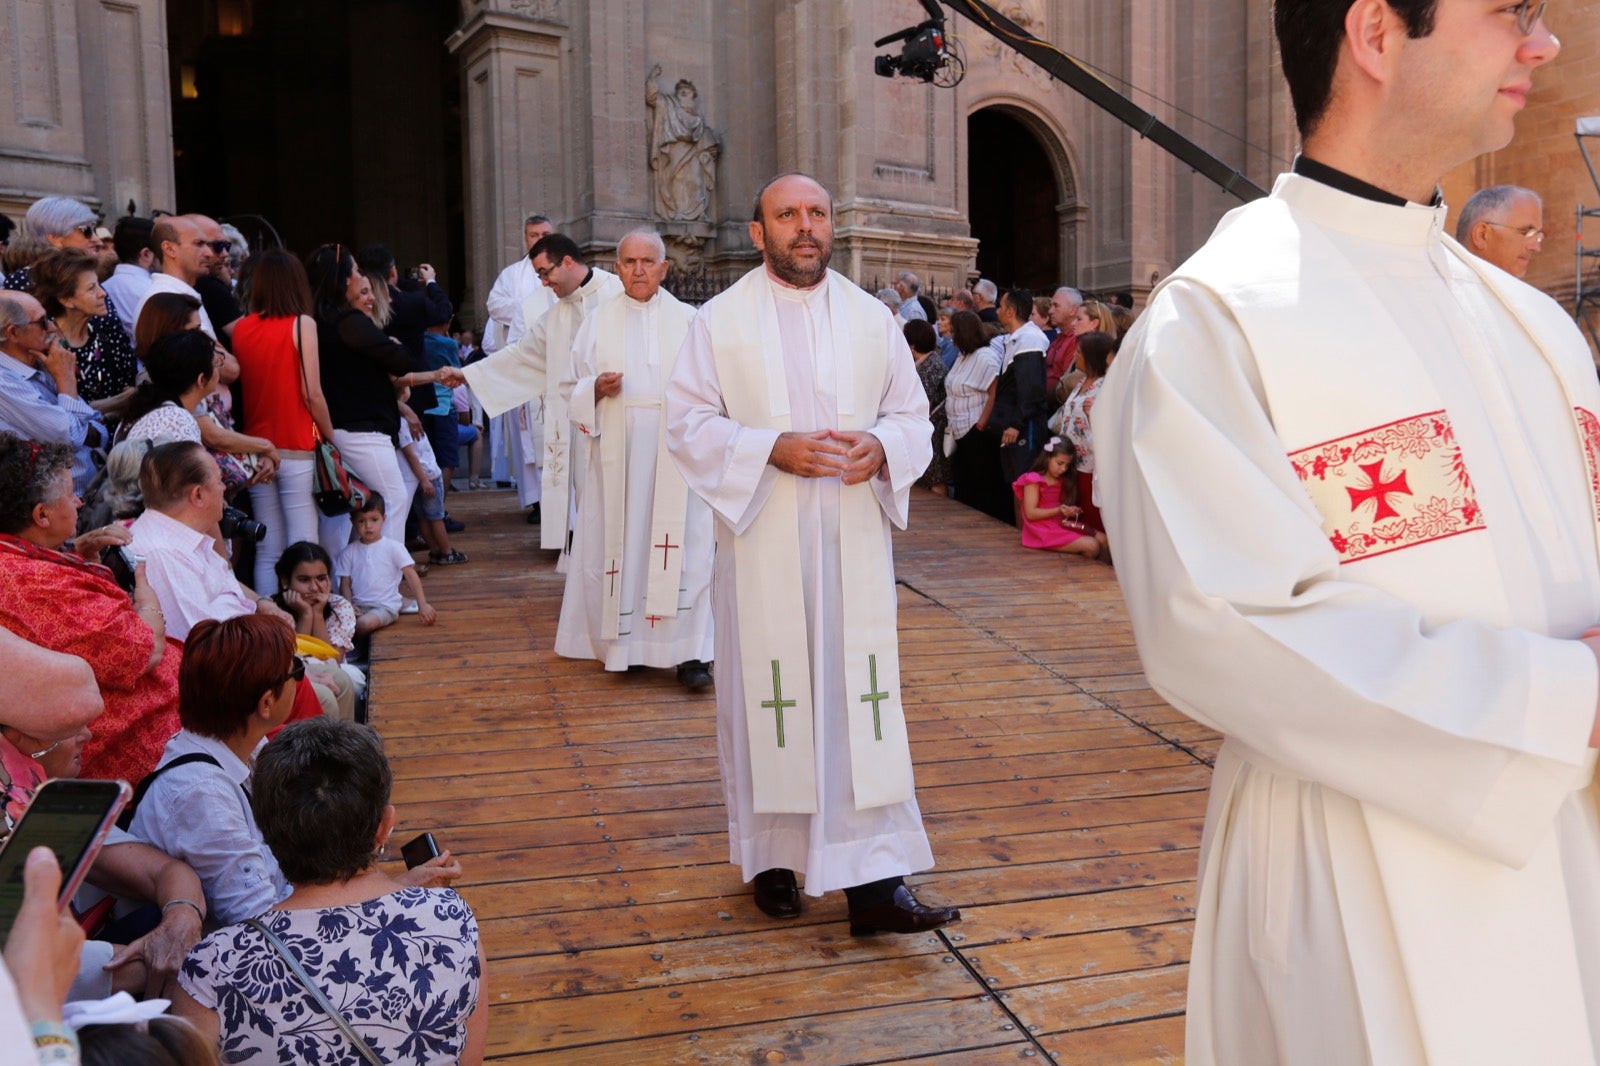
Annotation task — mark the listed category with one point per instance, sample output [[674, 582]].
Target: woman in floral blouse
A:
[[1095, 350], [67, 283], [401, 965]]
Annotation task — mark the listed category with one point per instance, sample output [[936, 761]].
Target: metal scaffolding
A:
[[1586, 296]]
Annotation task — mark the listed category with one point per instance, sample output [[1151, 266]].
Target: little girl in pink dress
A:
[[1049, 516]]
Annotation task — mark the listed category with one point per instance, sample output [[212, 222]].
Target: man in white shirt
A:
[[1371, 562], [185, 255], [183, 498], [131, 279], [1504, 225], [517, 300]]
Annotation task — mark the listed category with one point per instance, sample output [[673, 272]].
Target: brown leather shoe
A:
[[901, 914], [777, 894]]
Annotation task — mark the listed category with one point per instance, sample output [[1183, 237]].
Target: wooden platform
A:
[[1062, 797]]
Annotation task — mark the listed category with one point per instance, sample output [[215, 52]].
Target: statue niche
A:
[[683, 151]]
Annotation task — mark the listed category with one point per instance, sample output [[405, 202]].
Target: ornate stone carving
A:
[[1009, 62], [683, 152], [537, 10]]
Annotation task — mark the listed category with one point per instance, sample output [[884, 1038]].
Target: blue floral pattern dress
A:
[[403, 970]]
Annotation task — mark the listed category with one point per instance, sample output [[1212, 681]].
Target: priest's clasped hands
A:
[[852, 456]]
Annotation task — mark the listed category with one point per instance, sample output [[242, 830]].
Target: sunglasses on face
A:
[[87, 229], [297, 672], [220, 247]]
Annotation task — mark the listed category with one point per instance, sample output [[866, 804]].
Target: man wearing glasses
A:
[[39, 386], [1503, 224], [1352, 476]]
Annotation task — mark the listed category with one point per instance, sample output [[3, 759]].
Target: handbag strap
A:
[[305, 382], [316, 993]]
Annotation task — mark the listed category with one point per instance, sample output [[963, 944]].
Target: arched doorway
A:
[[1013, 197]]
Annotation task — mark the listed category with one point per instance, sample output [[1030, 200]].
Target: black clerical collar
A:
[[1307, 167], [586, 278]]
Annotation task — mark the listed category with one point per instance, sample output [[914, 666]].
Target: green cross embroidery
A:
[[875, 698], [777, 703]]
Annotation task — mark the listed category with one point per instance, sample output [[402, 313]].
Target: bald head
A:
[[184, 252], [792, 226]]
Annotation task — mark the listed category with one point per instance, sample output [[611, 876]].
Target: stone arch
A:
[[1049, 151]]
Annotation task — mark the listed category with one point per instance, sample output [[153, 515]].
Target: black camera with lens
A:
[[235, 523]]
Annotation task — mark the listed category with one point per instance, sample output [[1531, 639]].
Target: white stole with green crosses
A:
[[666, 324], [775, 649]]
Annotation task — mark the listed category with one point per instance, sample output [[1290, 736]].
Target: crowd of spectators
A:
[[168, 602], [1011, 379]]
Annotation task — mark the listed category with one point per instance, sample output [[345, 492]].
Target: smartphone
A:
[[121, 562], [419, 851], [71, 818]]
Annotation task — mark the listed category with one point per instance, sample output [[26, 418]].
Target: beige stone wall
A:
[[1544, 154]]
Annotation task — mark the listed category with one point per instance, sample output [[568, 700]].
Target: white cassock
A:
[[794, 365], [665, 531], [1351, 474], [515, 302], [531, 371]]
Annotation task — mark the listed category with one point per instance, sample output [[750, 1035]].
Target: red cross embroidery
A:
[[1379, 491], [612, 574], [653, 619], [666, 546]]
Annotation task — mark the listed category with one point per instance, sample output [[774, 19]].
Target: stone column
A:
[[517, 140], [84, 105]]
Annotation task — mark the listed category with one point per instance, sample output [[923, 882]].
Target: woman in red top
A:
[[61, 601], [276, 345]]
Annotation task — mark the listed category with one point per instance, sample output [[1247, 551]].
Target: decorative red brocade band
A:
[[1589, 426], [1397, 485]]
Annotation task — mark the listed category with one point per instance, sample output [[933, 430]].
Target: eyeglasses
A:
[[297, 672], [1528, 13], [1528, 233], [87, 229], [45, 323], [221, 247]]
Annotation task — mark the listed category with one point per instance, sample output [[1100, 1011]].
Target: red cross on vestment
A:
[[1379, 491]]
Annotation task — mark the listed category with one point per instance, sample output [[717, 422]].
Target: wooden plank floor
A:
[[1063, 799]]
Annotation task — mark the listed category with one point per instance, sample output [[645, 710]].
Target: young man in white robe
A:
[[795, 412], [639, 588], [516, 300], [531, 371], [1351, 474]]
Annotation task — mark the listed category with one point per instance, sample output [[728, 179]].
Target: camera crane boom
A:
[[915, 62]]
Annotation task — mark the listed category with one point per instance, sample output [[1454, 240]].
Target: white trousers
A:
[[290, 514], [372, 458]]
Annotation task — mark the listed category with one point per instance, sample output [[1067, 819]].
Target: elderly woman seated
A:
[[66, 601], [238, 684], [401, 967]]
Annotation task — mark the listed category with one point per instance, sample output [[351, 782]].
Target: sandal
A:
[[450, 558]]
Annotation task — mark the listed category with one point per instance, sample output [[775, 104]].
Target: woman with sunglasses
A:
[[52, 222]]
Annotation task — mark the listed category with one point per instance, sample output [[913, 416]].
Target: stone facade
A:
[[553, 118]]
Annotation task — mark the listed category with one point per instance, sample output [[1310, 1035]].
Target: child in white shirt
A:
[[371, 569]]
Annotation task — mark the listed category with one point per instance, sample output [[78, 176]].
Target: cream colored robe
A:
[[515, 302], [531, 370], [1350, 474]]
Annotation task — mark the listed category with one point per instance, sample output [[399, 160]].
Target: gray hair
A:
[[890, 298], [13, 312], [241, 247], [909, 280], [121, 495], [1486, 202], [986, 289], [56, 216], [1072, 294], [536, 220], [648, 234]]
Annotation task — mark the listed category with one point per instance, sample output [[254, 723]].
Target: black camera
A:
[[922, 56], [235, 523]]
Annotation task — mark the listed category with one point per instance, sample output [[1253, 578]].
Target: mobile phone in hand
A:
[[70, 817], [121, 562], [419, 851]]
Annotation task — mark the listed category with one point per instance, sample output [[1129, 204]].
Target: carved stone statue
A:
[[683, 151]]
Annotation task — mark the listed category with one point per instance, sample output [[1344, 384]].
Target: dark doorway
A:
[[331, 120], [1011, 201]]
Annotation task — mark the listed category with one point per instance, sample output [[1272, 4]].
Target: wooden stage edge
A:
[[1062, 797]]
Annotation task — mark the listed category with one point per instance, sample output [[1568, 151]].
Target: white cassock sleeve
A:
[[577, 384], [723, 462], [1475, 732], [902, 428], [503, 304], [512, 376]]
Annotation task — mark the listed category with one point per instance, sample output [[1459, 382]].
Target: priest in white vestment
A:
[[639, 587], [531, 371], [1351, 474], [795, 412], [515, 302]]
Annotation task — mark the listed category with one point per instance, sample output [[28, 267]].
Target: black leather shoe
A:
[[777, 894], [533, 515], [694, 674], [900, 914]]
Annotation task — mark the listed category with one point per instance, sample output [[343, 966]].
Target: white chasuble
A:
[[517, 436], [638, 590], [804, 590], [531, 371], [1351, 476]]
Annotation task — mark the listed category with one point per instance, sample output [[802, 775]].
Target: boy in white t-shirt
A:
[[371, 569]]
